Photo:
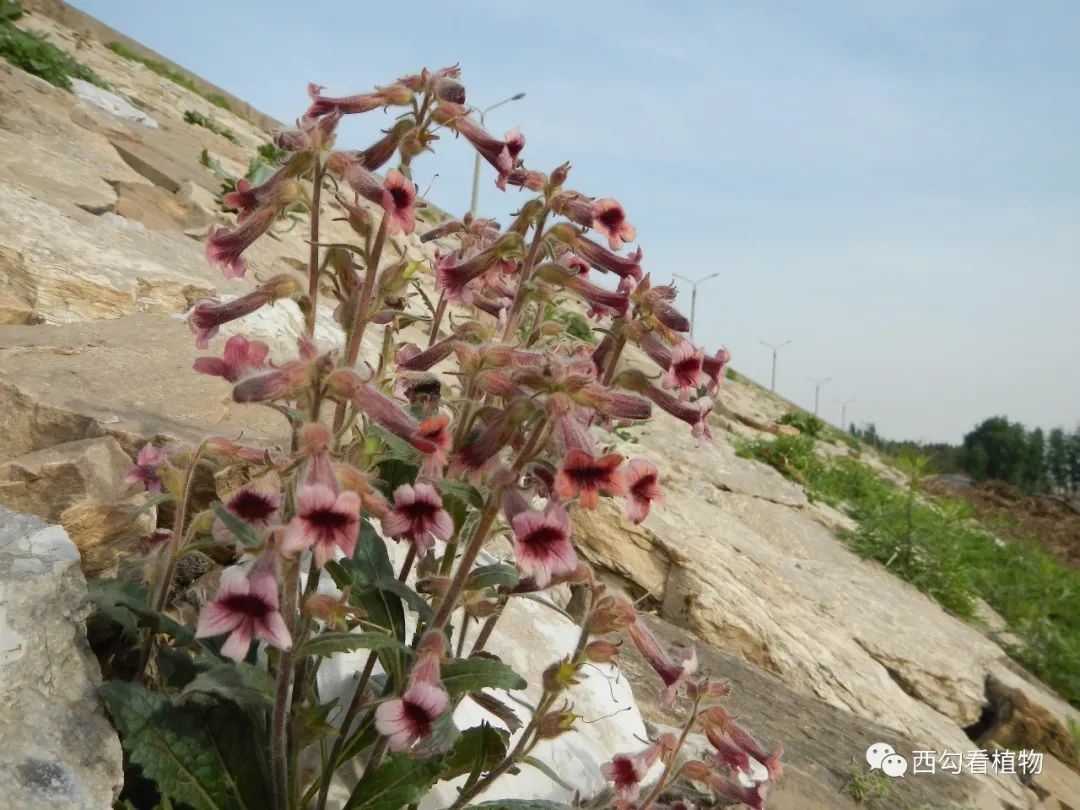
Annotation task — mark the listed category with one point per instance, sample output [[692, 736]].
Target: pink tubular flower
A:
[[208, 315], [283, 382], [684, 372], [383, 149], [642, 488], [627, 771], [524, 178], [609, 219], [240, 356], [728, 733], [351, 171], [399, 202], [323, 521], [597, 255], [695, 414], [753, 797], [246, 606], [255, 504], [411, 358], [453, 274], [419, 515], [727, 752], [147, 464], [224, 246], [381, 408], [715, 366], [407, 719], [542, 544], [585, 475], [673, 675], [394, 95], [502, 155]]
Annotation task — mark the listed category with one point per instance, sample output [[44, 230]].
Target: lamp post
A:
[[693, 295], [817, 390], [476, 165], [775, 348], [843, 413]]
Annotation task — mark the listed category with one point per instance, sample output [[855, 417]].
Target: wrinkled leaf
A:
[[199, 756], [126, 604], [473, 674], [495, 575], [241, 683], [399, 781], [409, 596], [496, 707], [477, 749], [330, 643], [151, 502], [549, 772]]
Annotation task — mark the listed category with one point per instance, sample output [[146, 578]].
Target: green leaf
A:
[[200, 756], [478, 749], [473, 674], [459, 499], [247, 534], [126, 604], [393, 473], [409, 596], [400, 780], [396, 448], [241, 683], [330, 643], [150, 503], [492, 576], [370, 561]]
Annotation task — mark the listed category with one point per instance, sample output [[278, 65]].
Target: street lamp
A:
[[775, 348], [817, 390], [693, 295], [843, 413], [476, 165]]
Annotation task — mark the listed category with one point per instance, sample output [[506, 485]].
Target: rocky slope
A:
[[101, 221]]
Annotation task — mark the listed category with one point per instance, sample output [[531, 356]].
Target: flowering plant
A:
[[434, 454]]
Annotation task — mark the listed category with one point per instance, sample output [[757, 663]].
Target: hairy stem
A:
[[436, 320], [673, 758], [279, 723], [523, 281], [313, 259]]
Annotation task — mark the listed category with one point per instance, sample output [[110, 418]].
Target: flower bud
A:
[[561, 676], [554, 724], [601, 651]]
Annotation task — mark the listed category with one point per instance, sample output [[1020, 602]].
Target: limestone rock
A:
[[130, 378], [1058, 786], [57, 749], [157, 209], [46, 482]]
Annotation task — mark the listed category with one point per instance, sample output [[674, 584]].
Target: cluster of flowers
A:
[[524, 400]]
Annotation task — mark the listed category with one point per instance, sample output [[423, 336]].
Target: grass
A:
[[35, 54], [173, 75], [867, 787], [200, 120], [935, 544]]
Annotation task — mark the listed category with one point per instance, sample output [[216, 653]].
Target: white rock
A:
[[110, 102]]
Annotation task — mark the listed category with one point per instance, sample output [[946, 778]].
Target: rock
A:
[[1058, 786], [130, 378], [1014, 720], [157, 209], [46, 482], [57, 749], [823, 745], [63, 264], [767, 582], [110, 102]]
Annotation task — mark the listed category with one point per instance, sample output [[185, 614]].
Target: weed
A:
[[867, 787], [731, 374], [806, 423], [173, 75], [34, 54], [200, 120]]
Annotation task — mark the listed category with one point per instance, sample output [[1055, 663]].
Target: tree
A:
[[996, 449], [1057, 459], [1034, 471], [1072, 460]]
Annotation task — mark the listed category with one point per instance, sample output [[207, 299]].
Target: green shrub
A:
[[32, 53], [10, 10], [730, 374], [200, 120], [173, 75], [806, 423]]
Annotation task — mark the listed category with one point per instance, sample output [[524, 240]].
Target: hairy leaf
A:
[[330, 643], [473, 674], [200, 756], [400, 780], [493, 576], [496, 707], [243, 684], [477, 749], [127, 604]]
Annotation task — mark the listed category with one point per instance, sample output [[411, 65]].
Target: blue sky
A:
[[895, 187]]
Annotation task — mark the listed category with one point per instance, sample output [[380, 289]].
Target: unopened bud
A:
[[560, 676], [554, 724], [601, 651]]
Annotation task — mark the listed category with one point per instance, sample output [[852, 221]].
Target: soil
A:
[[1050, 519]]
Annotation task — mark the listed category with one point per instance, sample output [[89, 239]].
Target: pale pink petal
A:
[[443, 525], [215, 620], [429, 697], [263, 584], [395, 524], [296, 537], [239, 641], [271, 629]]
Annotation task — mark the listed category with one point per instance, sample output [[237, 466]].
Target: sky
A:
[[893, 187]]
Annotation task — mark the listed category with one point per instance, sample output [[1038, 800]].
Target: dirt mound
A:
[[1051, 520]]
